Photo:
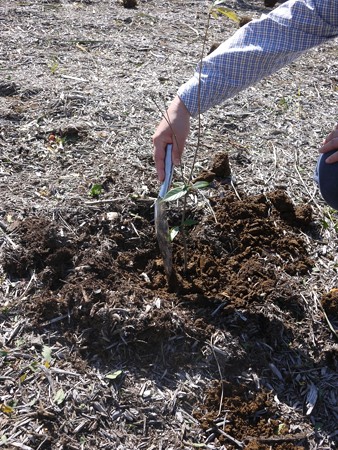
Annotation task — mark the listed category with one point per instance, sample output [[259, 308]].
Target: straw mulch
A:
[[96, 351]]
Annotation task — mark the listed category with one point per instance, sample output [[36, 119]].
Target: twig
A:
[[207, 201], [69, 77], [21, 446], [17, 330], [329, 323], [275, 164], [56, 319], [134, 228], [191, 28], [105, 201], [306, 188], [194, 445], [185, 245], [64, 372], [220, 374], [237, 194], [198, 144], [219, 307], [239, 444], [33, 278], [13, 244], [282, 438]]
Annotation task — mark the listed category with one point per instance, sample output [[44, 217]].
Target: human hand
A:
[[331, 143], [173, 129]]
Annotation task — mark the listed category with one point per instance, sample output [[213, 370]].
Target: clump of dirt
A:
[[270, 3], [220, 168], [43, 247], [329, 302], [295, 215], [8, 89], [247, 414], [129, 4], [244, 20]]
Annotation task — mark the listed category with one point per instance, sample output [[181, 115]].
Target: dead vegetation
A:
[[95, 352]]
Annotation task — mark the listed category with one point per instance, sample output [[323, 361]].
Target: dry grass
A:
[[85, 73]]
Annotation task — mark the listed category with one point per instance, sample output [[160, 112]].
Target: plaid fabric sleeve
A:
[[259, 49]]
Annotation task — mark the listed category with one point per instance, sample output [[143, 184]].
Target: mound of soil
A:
[[244, 264]]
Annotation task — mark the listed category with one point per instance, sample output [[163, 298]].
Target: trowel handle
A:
[[168, 170]]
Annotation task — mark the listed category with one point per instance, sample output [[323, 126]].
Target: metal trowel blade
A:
[[161, 221]]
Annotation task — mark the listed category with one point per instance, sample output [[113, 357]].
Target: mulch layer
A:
[[98, 350]]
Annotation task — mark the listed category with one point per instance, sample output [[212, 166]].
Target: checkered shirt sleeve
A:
[[259, 49]]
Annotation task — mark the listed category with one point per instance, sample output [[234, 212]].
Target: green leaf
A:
[[23, 377], [6, 409], [318, 426], [214, 14], [47, 353], [34, 366], [190, 222], [179, 184], [281, 428], [114, 375], [59, 397], [325, 224], [228, 13], [175, 194], [96, 190], [201, 184], [173, 232]]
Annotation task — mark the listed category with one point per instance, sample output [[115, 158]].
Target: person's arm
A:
[[259, 49], [255, 51]]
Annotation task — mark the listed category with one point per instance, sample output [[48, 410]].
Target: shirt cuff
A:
[[188, 93]]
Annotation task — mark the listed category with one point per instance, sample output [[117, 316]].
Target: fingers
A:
[[332, 135], [331, 143], [162, 137], [176, 153], [160, 146], [332, 158], [173, 129], [159, 156]]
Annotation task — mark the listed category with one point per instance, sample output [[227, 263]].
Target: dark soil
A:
[[98, 351]]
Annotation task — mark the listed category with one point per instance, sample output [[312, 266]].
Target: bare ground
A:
[[96, 351]]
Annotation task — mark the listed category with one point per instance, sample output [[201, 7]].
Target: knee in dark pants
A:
[[326, 175]]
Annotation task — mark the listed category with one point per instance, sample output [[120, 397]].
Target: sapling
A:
[[183, 189]]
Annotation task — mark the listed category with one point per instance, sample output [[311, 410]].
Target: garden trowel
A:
[[161, 222]]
